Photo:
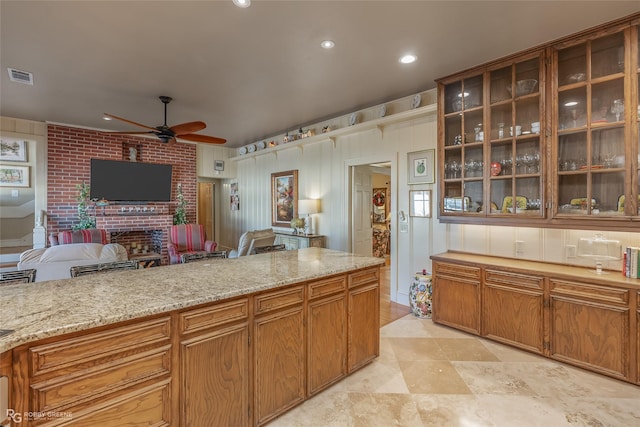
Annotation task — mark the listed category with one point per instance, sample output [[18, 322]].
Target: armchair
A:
[[66, 237], [251, 240], [187, 238]]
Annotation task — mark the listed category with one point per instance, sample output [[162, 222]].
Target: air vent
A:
[[20, 76]]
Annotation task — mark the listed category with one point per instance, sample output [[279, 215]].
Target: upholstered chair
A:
[[251, 240], [187, 238], [90, 235]]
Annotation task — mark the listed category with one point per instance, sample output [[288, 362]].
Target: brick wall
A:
[[70, 151]]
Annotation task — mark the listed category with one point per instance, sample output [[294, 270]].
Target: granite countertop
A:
[[45, 309]]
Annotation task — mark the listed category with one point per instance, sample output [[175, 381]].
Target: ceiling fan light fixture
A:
[[165, 138], [242, 3]]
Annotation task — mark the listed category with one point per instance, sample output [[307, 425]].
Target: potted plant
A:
[[85, 220], [180, 217]]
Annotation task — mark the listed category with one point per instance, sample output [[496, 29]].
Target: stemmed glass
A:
[[617, 108]]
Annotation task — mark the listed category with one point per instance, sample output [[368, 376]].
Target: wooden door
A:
[[206, 212], [362, 226]]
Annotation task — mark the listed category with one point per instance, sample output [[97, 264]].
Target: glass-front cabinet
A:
[[549, 137]]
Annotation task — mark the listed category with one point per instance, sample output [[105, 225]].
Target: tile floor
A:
[[431, 375]]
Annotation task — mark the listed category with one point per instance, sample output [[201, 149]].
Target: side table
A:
[[148, 260]]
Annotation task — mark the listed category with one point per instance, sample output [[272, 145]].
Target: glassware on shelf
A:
[[600, 250], [500, 130], [617, 108]]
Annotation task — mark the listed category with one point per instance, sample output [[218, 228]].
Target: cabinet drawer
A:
[[321, 288], [363, 277], [276, 300], [583, 291], [218, 314], [495, 277], [74, 351], [457, 270], [93, 383]]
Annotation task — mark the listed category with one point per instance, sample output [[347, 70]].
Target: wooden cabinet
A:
[[279, 352], [547, 137], [456, 296], [563, 312], [214, 365], [326, 333], [109, 378], [364, 318], [589, 326], [299, 241], [513, 309]]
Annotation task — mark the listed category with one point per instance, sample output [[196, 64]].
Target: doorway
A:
[[371, 205], [206, 208]]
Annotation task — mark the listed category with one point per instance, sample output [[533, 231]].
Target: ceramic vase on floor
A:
[[420, 293]]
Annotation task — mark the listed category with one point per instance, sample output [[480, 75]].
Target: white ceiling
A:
[[256, 72]]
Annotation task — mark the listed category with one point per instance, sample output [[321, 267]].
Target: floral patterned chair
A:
[[187, 238], [380, 242]]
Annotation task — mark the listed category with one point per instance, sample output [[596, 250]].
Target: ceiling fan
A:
[[168, 134]]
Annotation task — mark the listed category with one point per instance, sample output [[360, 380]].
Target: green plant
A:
[[180, 217], [85, 220]]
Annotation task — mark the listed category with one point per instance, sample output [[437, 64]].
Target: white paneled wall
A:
[[323, 172]]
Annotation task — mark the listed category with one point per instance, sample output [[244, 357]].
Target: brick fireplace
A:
[[69, 154]]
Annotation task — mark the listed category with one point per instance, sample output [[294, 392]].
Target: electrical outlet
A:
[[571, 251], [15, 193], [519, 247]]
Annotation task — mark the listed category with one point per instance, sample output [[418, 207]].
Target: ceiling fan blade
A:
[[129, 121], [185, 128], [202, 138]]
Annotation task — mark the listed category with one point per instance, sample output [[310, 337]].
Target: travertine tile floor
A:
[[431, 375]]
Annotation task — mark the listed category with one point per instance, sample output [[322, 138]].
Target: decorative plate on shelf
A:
[[415, 102], [507, 204], [382, 111], [252, 148], [353, 118], [262, 145], [243, 150]]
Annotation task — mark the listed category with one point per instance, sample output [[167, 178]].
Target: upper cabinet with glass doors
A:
[[549, 137]]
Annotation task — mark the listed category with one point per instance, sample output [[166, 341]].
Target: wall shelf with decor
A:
[[547, 137]]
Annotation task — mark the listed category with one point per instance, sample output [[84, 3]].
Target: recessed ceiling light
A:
[[327, 44], [242, 3], [408, 59], [106, 118]]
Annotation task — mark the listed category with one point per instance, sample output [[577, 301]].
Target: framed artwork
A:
[[284, 198], [235, 198], [380, 205], [420, 203], [420, 166], [13, 150], [218, 165], [14, 176]]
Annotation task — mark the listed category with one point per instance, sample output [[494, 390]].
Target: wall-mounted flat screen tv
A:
[[133, 182]]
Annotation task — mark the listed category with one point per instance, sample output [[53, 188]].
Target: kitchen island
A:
[[218, 342]]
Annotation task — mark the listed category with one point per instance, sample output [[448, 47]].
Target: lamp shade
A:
[[307, 206]]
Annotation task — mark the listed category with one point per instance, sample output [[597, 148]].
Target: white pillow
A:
[[245, 241], [71, 252]]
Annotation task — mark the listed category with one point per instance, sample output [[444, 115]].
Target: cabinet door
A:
[[363, 318], [215, 368], [601, 311], [279, 359], [327, 342], [591, 128], [456, 296], [463, 145], [513, 307], [516, 152]]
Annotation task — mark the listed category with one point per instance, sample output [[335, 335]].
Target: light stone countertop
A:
[[45, 309]]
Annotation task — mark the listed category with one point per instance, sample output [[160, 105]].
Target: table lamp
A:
[[599, 249], [308, 207]]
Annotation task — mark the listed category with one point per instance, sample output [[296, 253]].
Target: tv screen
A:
[[119, 181]]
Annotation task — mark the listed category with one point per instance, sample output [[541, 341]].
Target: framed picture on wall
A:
[[380, 205], [14, 176], [13, 150], [420, 167], [284, 198], [235, 197]]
